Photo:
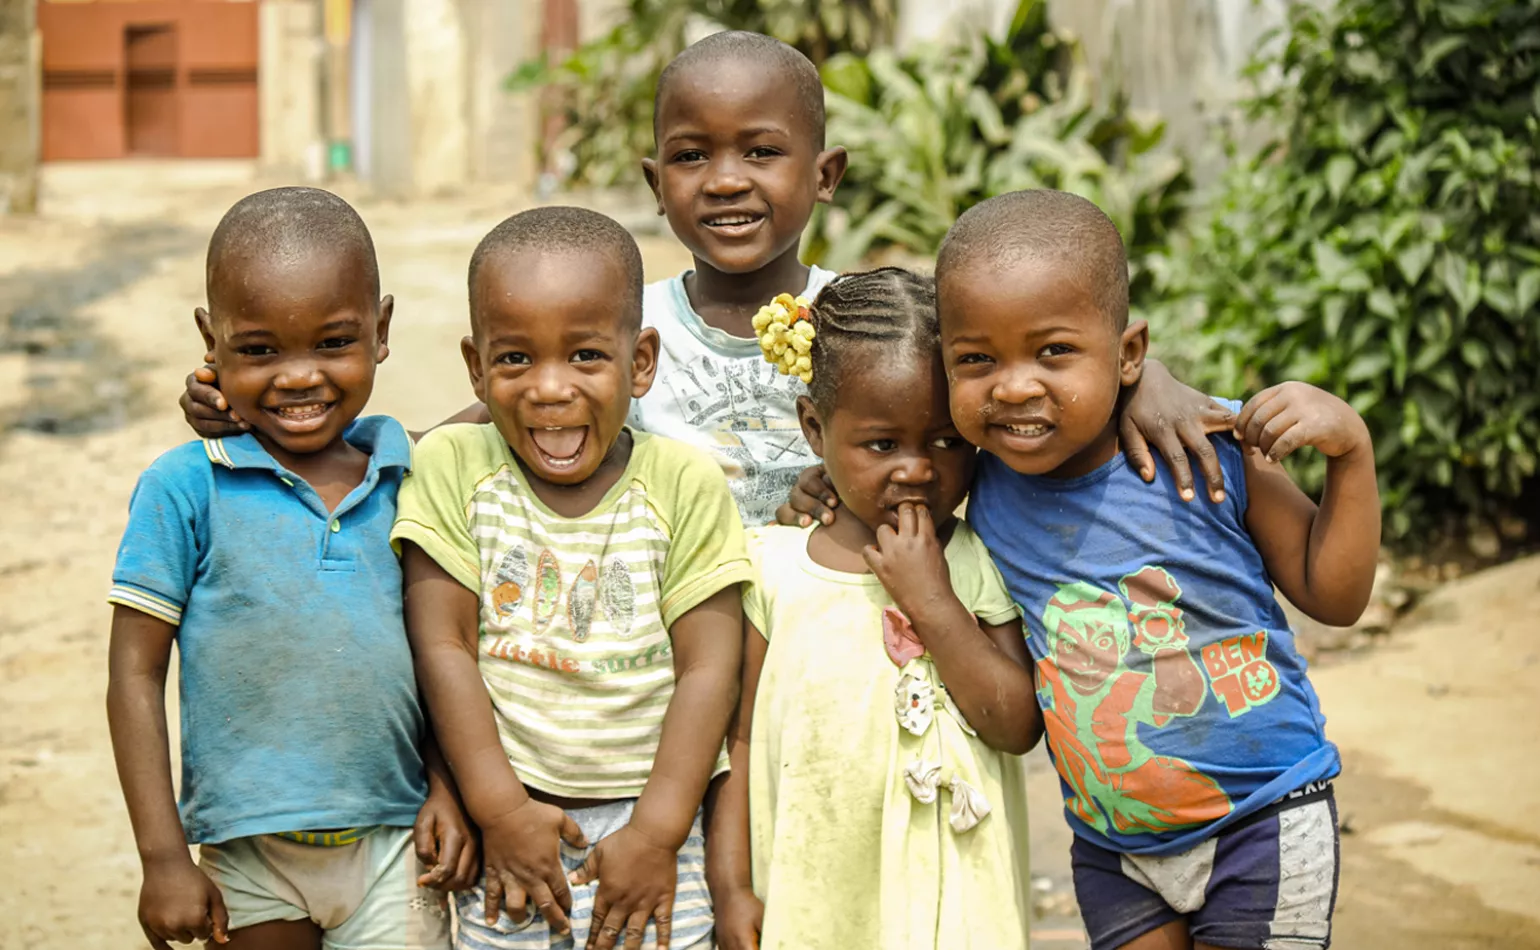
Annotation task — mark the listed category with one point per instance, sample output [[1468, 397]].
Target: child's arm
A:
[[637, 866], [729, 875], [1322, 559], [1158, 410], [178, 901], [445, 843], [986, 670], [519, 835]]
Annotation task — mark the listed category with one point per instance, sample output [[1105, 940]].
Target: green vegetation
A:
[[1387, 246]]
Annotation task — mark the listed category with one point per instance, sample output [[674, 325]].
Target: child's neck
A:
[[728, 302], [332, 472], [575, 501], [1098, 452]]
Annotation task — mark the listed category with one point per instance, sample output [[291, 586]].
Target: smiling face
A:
[[1035, 367], [295, 342], [738, 168], [557, 359], [889, 439]]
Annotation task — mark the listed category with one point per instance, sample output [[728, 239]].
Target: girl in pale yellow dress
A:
[[875, 799]]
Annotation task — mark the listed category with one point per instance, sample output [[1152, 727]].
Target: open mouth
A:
[[1023, 434], [300, 417], [560, 447], [735, 224]]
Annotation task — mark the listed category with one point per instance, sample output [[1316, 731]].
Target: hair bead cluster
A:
[[786, 334]]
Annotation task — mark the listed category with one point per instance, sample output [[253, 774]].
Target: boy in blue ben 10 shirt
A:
[[266, 558], [1189, 743]]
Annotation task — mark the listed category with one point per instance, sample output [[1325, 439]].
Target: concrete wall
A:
[[20, 131], [439, 117], [289, 90]]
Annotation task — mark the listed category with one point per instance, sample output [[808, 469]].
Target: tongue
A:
[[560, 443]]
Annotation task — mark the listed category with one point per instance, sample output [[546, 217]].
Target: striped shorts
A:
[[1268, 883], [692, 904]]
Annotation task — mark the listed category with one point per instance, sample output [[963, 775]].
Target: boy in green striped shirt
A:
[[584, 579]]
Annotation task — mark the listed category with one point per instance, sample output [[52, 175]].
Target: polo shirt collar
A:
[[381, 437]]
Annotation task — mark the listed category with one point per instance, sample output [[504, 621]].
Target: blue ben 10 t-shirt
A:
[[299, 705], [1173, 697]]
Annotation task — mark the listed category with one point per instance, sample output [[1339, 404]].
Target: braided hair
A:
[[870, 315]]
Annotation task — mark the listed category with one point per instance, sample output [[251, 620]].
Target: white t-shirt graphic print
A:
[[716, 392]]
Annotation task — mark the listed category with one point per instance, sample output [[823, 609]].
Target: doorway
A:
[[151, 103]]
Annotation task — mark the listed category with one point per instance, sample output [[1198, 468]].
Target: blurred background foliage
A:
[[1384, 243]]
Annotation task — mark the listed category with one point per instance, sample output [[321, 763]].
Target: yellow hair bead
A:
[[786, 334]]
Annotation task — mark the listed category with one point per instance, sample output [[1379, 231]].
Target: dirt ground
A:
[[1438, 727]]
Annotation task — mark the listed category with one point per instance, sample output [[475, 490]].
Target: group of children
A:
[[659, 728]]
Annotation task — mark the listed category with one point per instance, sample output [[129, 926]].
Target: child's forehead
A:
[[732, 99], [290, 287]]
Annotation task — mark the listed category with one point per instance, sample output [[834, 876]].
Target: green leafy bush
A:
[[935, 131], [606, 87], [1387, 246]]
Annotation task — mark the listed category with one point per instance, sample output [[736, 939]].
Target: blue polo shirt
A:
[[299, 706]]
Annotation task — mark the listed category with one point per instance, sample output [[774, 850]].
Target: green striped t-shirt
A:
[[574, 645]]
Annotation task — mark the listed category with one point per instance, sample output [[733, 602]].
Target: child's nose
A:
[[727, 179], [299, 374], [551, 385], [915, 471], [1019, 387]]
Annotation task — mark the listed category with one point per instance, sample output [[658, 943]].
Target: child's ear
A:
[[472, 354], [1132, 349], [382, 328], [644, 362], [831, 170], [206, 328], [650, 172], [812, 425]]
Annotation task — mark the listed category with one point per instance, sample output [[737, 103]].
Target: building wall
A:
[[288, 89], [20, 53]]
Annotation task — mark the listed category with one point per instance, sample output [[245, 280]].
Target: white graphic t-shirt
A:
[[716, 392]]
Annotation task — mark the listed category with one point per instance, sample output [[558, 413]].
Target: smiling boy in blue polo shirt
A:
[[307, 770]]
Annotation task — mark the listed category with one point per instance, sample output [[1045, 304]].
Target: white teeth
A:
[[297, 412], [1033, 430], [736, 219]]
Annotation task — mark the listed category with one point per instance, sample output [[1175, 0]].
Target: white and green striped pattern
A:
[[146, 601], [573, 648]]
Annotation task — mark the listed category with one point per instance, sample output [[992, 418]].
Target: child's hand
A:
[[740, 918], [178, 902], [637, 877], [910, 562], [523, 863], [204, 406], [1172, 415], [445, 844], [1292, 415], [812, 497]]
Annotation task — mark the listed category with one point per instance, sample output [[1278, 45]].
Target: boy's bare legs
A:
[[273, 935], [1172, 936]]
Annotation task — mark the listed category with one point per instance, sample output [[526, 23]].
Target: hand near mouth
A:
[[911, 563]]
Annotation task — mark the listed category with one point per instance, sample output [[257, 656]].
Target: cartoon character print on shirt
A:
[[766, 451], [1093, 704]]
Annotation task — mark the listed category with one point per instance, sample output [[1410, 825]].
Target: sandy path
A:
[[1438, 730]]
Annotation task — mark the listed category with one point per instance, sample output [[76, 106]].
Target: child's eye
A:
[[256, 349], [971, 359], [948, 442], [763, 151], [1057, 349], [882, 445], [512, 359], [587, 356], [690, 155], [335, 343]]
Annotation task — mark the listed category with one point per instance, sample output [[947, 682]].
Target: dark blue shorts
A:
[[1270, 883]]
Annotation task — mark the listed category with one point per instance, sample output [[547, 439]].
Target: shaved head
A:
[[740, 46], [284, 226]]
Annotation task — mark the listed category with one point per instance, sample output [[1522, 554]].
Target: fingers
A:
[[494, 898], [924, 525], [1216, 418], [1263, 412], [1193, 435], [465, 870], [571, 833], [908, 521], [1249, 409], [423, 840], [219, 917], [636, 931], [554, 904], [1169, 445], [1136, 448], [155, 939], [807, 507], [663, 919], [604, 936]]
